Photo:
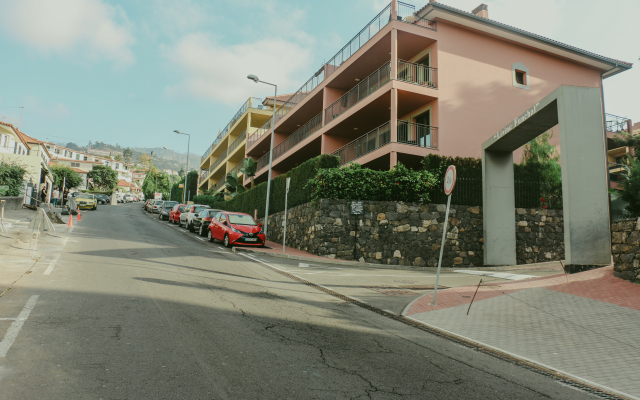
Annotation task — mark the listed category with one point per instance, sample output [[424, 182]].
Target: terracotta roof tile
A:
[[281, 97]]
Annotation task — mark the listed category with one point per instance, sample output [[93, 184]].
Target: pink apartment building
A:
[[413, 82]]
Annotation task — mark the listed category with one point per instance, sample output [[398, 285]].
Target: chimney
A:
[[481, 11]]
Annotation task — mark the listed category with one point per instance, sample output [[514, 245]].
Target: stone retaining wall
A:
[[625, 247], [410, 234], [12, 202]]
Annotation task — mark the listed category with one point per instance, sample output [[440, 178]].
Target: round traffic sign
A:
[[450, 179]]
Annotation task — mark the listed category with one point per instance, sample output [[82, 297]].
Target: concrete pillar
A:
[[394, 54], [394, 10], [393, 121], [584, 189], [393, 159], [499, 208]]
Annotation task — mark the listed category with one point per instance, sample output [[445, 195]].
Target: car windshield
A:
[[169, 204], [238, 219], [86, 196], [158, 202], [198, 209]]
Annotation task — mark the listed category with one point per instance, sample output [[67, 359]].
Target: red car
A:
[[174, 214], [234, 228]]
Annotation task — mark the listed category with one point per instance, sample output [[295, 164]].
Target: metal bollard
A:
[[2, 227]]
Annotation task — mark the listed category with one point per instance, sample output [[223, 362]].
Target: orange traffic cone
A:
[[79, 216], [70, 224]]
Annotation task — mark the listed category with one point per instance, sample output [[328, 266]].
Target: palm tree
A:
[[249, 167]]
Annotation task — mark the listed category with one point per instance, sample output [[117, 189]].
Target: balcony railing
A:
[[418, 134], [237, 142], [417, 73], [203, 175], [237, 168], [363, 89], [218, 161], [262, 162], [298, 136], [615, 123], [219, 184], [408, 133], [406, 13]]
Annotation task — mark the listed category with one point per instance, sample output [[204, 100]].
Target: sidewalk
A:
[[586, 324], [17, 259]]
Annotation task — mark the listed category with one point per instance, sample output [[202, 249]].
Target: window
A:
[[520, 76], [75, 165], [77, 156], [85, 158]]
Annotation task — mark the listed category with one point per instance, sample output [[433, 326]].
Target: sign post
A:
[[286, 196], [357, 208], [449, 184]]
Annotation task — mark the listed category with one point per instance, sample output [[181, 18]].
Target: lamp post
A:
[[186, 176], [273, 133]]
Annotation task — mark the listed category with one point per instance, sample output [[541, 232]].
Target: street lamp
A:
[[273, 133], [186, 176]]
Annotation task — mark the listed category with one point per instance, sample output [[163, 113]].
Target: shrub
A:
[[11, 179], [255, 198], [356, 183]]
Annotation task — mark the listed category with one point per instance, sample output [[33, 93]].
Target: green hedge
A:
[[356, 183], [12, 178], [255, 198]]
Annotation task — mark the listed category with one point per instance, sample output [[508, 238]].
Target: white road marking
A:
[[199, 238], [501, 275], [52, 265], [221, 248], [7, 319], [303, 265], [16, 326]]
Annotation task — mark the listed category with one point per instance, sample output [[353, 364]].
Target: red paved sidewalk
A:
[[598, 284]]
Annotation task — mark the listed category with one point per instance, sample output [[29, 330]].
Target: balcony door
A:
[[423, 129]]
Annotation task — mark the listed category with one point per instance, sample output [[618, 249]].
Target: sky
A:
[[130, 72]]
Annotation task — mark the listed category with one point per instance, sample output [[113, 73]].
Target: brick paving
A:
[[588, 327]]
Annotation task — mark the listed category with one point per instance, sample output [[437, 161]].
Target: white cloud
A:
[[218, 72], [92, 27]]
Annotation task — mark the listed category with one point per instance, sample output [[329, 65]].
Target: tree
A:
[[233, 185], [181, 173], [72, 146], [118, 157], [62, 173], [249, 167], [104, 177], [127, 154], [541, 162], [156, 182], [11, 179], [145, 160]]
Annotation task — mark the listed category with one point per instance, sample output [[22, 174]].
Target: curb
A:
[[377, 266]]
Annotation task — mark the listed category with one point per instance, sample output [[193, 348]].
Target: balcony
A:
[[203, 176], [219, 184], [218, 161], [262, 162], [616, 124], [408, 133], [406, 14], [252, 102], [237, 142], [237, 168], [298, 136], [417, 73], [362, 90]]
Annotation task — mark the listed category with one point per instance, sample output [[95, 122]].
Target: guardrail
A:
[[298, 136], [407, 14], [219, 184], [262, 162], [362, 90], [366, 143], [218, 161], [259, 132], [237, 142], [417, 73], [418, 134]]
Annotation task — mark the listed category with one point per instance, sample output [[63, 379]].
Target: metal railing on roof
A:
[[417, 73], [362, 90], [298, 136], [615, 123], [407, 14]]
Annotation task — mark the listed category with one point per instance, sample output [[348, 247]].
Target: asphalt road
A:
[[135, 310]]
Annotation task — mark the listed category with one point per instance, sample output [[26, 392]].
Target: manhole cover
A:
[[390, 290], [423, 287]]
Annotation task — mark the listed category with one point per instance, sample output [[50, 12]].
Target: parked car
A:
[[128, 197], [103, 199], [147, 205], [87, 201], [165, 208], [174, 215], [234, 228], [154, 207], [202, 220], [189, 213]]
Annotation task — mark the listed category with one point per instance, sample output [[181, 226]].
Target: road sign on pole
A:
[[449, 184]]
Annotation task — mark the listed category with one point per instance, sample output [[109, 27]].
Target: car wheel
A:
[[180, 223], [227, 242], [191, 228], [211, 239]]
